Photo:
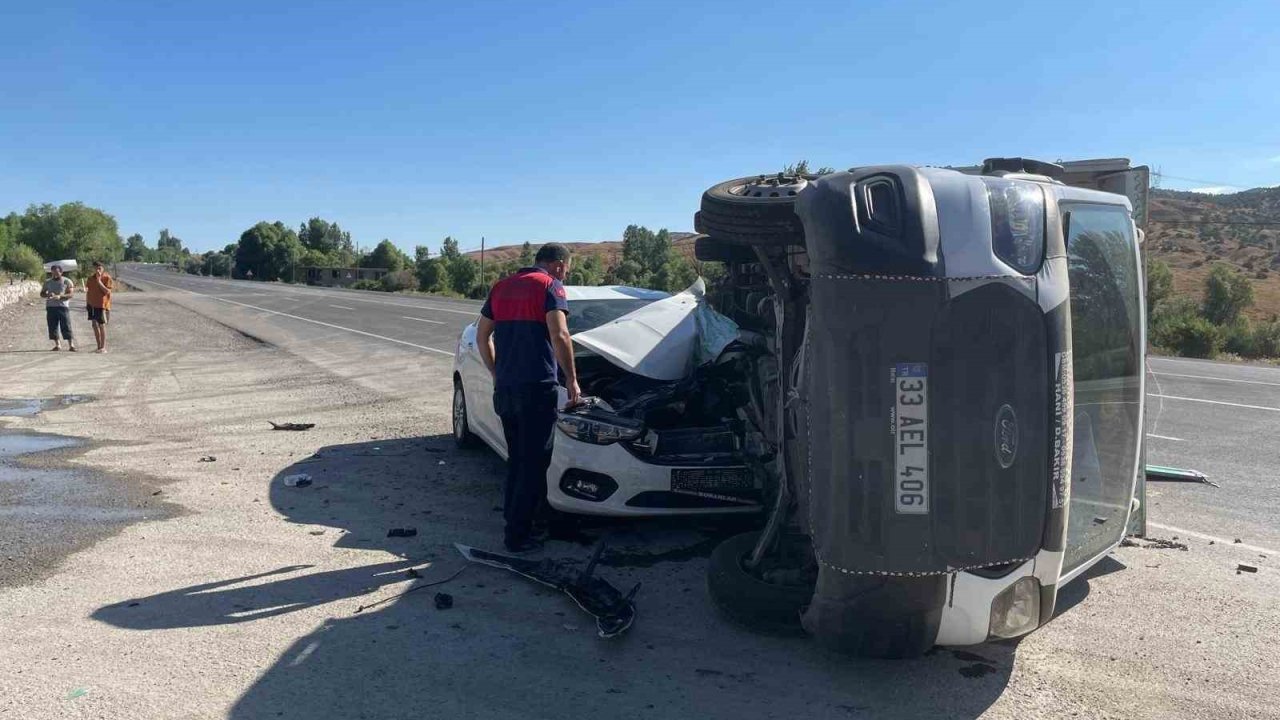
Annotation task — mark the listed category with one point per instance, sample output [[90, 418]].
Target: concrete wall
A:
[[17, 291]]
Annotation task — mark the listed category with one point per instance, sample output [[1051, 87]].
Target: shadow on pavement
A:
[[511, 649]]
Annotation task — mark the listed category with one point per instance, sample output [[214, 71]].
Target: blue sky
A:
[[568, 121]]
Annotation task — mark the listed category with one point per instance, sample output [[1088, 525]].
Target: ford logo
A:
[[1006, 436]]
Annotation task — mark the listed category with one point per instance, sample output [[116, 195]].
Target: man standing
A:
[[523, 335], [97, 297], [57, 292]]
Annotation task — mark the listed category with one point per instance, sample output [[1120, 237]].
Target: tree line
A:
[[274, 251], [1212, 324]]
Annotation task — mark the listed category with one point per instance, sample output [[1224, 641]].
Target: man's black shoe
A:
[[524, 546]]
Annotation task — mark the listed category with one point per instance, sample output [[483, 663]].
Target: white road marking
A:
[[342, 307], [1165, 437], [1217, 540], [1218, 402], [295, 317], [1219, 379], [434, 322]]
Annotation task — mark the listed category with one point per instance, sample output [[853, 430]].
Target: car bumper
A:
[[635, 480]]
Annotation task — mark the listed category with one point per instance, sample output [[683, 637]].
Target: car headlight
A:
[[1017, 223], [598, 430], [1016, 611]]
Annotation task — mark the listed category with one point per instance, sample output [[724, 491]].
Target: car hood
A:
[[666, 339]]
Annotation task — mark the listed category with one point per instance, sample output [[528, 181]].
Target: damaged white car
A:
[[664, 426]]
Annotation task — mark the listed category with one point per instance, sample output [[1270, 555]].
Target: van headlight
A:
[[1016, 611], [1017, 223], [599, 430]]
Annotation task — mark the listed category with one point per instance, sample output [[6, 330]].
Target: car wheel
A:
[[462, 434], [753, 211], [748, 600]]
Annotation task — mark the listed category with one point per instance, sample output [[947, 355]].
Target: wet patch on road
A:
[[50, 508], [29, 407]]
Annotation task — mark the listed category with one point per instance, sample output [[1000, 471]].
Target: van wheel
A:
[[756, 210], [748, 600], [462, 435]]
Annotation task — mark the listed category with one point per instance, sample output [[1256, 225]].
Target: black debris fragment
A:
[[1242, 567], [208, 458], [444, 601], [613, 611], [404, 532], [1154, 544], [413, 573], [291, 426]]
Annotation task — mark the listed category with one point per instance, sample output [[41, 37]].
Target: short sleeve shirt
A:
[[518, 306], [61, 286], [94, 296]]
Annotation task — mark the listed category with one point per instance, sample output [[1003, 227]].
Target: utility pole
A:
[[481, 261]]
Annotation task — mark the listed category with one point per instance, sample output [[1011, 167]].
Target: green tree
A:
[[587, 269], [328, 239], [527, 253], [73, 230], [269, 250], [135, 248], [1227, 292], [449, 250], [1159, 283], [463, 274], [430, 271], [802, 168], [19, 258], [385, 256]]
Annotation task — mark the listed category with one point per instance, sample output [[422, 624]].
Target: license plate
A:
[[911, 438], [711, 480]]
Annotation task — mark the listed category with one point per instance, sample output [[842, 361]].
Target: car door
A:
[[478, 384]]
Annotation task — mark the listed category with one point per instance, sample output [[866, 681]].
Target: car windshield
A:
[[589, 314]]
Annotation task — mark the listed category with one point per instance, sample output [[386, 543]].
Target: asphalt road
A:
[[1219, 418]]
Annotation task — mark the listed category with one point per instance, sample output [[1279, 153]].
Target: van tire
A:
[[747, 600], [756, 210]]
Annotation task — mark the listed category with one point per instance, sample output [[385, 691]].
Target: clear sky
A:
[[568, 121]]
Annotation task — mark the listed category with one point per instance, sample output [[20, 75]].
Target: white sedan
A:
[[647, 442]]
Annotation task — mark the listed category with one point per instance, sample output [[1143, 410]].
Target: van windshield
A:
[[1106, 333]]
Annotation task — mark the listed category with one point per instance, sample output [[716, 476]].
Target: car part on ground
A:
[[613, 611]]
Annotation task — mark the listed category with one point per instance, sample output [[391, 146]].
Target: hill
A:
[[1190, 231], [609, 251]]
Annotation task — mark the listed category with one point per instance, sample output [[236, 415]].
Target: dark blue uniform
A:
[[525, 389]]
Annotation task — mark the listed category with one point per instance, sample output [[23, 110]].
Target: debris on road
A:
[[402, 532], [208, 458], [416, 588], [1160, 473], [613, 611], [1242, 567], [299, 480], [1153, 543], [291, 426], [444, 601]]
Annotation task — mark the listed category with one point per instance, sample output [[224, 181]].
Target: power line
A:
[[1165, 176]]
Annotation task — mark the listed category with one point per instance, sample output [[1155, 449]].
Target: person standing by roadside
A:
[[57, 292], [523, 336], [97, 297]]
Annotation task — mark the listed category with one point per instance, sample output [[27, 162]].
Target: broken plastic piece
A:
[[298, 480], [402, 532], [291, 426], [444, 601], [1156, 473], [1246, 568], [208, 458], [613, 611]]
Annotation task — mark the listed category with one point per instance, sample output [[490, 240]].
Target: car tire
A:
[[756, 211], [462, 435], [709, 249], [747, 600]]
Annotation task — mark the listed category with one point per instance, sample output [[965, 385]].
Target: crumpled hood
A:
[[664, 340]]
